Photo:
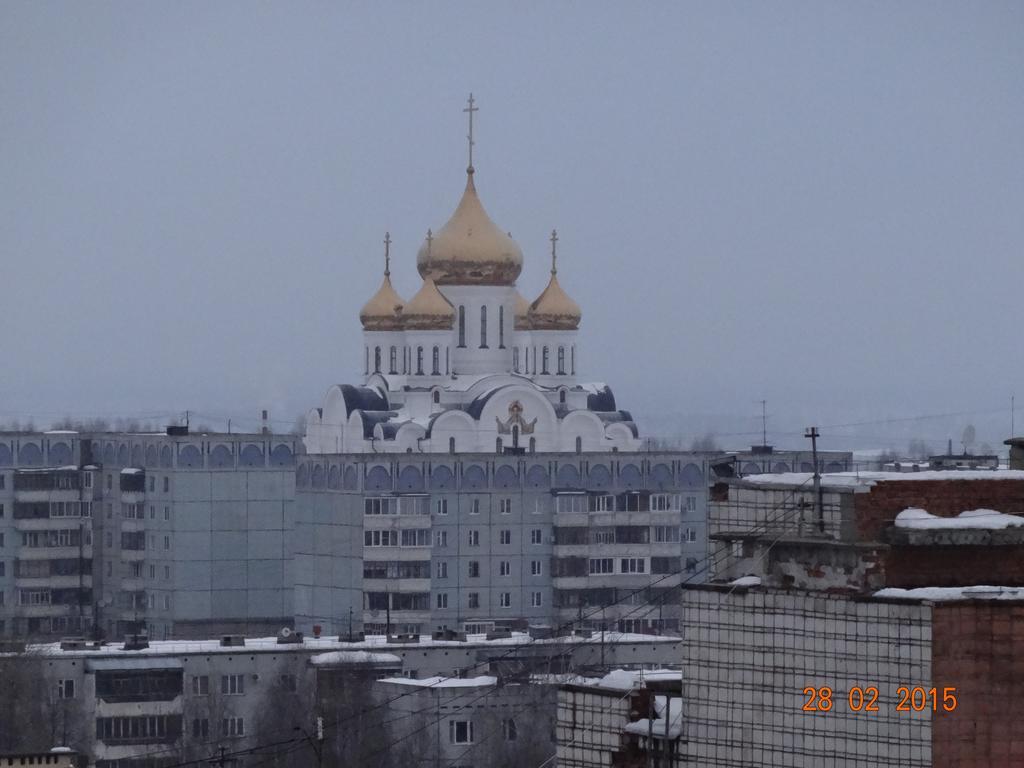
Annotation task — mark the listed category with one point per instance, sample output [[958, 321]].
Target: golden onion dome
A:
[[521, 312], [428, 310], [470, 249], [554, 310], [383, 312]]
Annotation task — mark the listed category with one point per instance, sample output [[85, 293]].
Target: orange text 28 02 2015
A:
[[866, 699]]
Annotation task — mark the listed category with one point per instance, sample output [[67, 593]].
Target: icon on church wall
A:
[[515, 419]]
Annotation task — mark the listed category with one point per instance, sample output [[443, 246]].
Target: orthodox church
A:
[[468, 364]]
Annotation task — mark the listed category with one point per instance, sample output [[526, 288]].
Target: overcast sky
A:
[[818, 204]]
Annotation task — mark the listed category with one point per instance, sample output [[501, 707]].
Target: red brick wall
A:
[[875, 511], [978, 648], [955, 566]]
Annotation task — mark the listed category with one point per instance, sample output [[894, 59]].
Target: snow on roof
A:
[[661, 727], [867, 479], [353, 657], [593, 387], [443, 682], [624, 679], [131, 471], [990, 519], [61, 432], [938, 594], [746, 581]]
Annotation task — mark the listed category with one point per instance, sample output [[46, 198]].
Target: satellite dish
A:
[[285, 632]]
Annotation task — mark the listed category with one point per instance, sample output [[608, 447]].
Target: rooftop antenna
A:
[[470, 110]]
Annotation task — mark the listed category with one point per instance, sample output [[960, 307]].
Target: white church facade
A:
[[468, 364]]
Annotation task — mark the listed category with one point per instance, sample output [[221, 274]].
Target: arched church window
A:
[[447, 367], [515, 436], [393, 361], [515, 359], [366, 360], [437, 396], [483, 327], [561, 360], [497, 445], [572, 359], [451, 445], [561, 396], [501, 326], [533, 445], [419, 361], [376, 359], [579, 445], [544, 360], [462, 326]]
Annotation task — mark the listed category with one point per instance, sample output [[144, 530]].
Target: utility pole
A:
[[650, 727], [812, 433]]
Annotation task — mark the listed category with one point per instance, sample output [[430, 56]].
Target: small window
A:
[[535, 568], [505, 506], [66, 689], [167, 485], [509, 730], [437, 396], [462, 326], [537, 536], [501, 327], [442, 506], [376, 359], [451, 445], [579, 445], [419, 361], [460, 731], [436, 361], [544, 360], [233, 726], [536, 600], [561, 361], [474, 569], [393, 360], [505, 600], [505, 568], [200, 685], [483, 327], [200, 728], [441, 569], [474, 538], [474, 599], [505, 537], [442, 599], [475, 509], [232, 685]]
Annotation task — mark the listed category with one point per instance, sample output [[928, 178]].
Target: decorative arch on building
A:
[[221, 458], [599, 477], [30, 455], [661, 477], [137, 456], [122, 455], [151, 456], [282, 456], [834, 466], [568, 476], [780, 467], [334, 477], [442, 479], [317, 479], [5, 455], [108, 453], [630, 477], [251, 456], [189, 457], [750, 468], [506, 477], [166, 456], [302, 476], [806, 466], [537, 477], [60, 453], [410, 479], [378, 479], [474, 478], [351, 479], [691, 476]]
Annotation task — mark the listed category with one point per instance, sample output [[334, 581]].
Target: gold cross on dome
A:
[[554, 241], [430, 240], [471, 109], [387, 253]]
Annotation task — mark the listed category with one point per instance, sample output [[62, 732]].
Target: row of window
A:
[[137, 511], [545, 360], [140, 728], [65, 537], [504, 600], [126, 483], [407, 366], [504, 568], [606, 565], [461, 731], [229, 726]]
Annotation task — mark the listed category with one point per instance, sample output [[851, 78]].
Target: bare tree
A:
[[707, 443]]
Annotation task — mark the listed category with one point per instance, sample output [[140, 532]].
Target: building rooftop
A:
[[864, 480]]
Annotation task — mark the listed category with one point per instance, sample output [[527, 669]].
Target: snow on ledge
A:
[[746, 581], [939, 594], [989, 519], [868, 479], [443, 682]]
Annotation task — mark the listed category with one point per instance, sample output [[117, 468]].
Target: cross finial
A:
[[471, 109], [554, 241], [430, 240], [387, 254]]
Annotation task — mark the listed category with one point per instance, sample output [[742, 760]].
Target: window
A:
[[167, 485], [65, 689], [633, 565], [691, 503], [435, 361], [572, 359], [167, 573], [167, 602], [570, 502], [152, 571], [515, 359], [167, 513], [561, 360], [233, 726], [415, 537], [380, 538], [200, 728], [437, 396], [691, 535], [475, 507], [505, 568], [441, 539], [474, 538], [451, 445], [505, 600], [666, 533], [376, 359], [535, 599], [462, 326], [691, 565], [474, 569], [483, 327], [441, 568], [661, 502], [533, 445], [535, 568], [442, 599], [152, 483], [460, 731], [537, 536], [419, 361], [602, 565], [232, 685], [544, 360], [505, 536], [110, 481], [579, 445], [200, 685], [509, 730], [561, 396], [474, 599], [381, 505], [505, 506], [167, 542]]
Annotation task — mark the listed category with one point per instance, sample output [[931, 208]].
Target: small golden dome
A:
[[521, 312], [470, 249], [554, 310], [383, 312], [428, 310]]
